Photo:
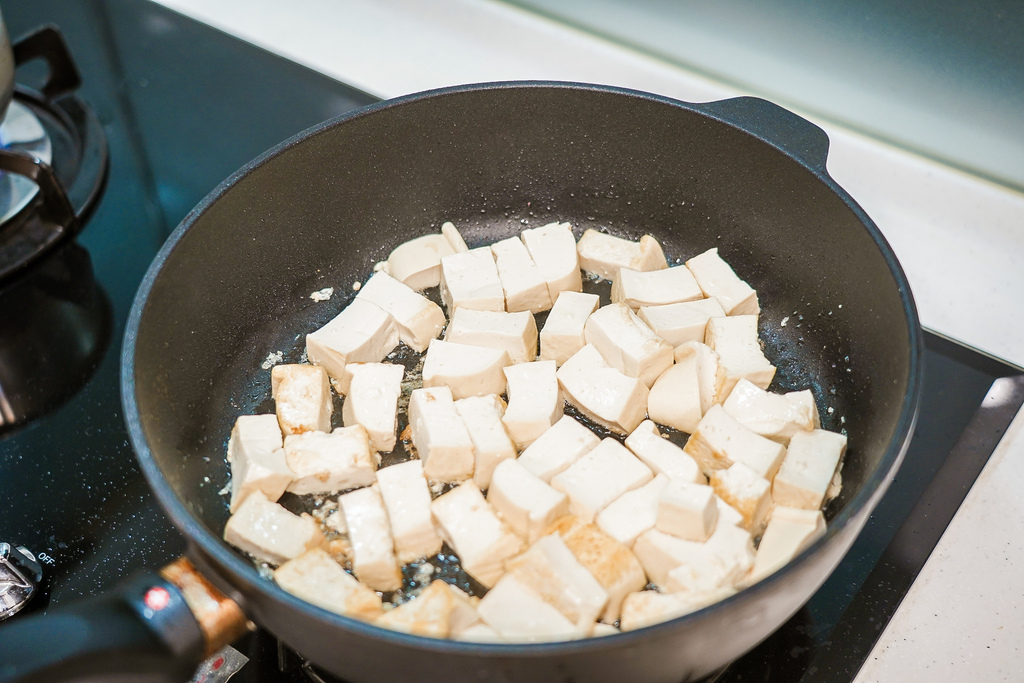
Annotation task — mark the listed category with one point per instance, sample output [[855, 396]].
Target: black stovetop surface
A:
[[183, 106]]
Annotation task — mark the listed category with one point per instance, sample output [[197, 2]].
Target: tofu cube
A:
[[553, 248], [646, 608], [614, 566], [747, 491], [604, 255], [734, 339], [470, 279], [440, 436], [599, 477], [417, 263], [327, 463], [425, 615], [270, 533], [482, 416], [534, 401], [562, 335], [663, 456], [515, 333], [372, 402], [655, 287], [719, 441], [302, 395], [474, 531], [717, 278], [806, 472], [710, 373], [315, 577], [727, 514], [524, 286], [454, 237], [550, 569], [775, 416], [467, 370], [681, 322], [566, 442], [373, 549], [524, 501], [789, 531], [519, 614], [660, 552], [724, 562], [257, 459], [632, 513], [687, 510], [601, 392], [362, 333], [479, 633], [406, 496], [674, 400], [464, 614], [418, 318], [627, 344]]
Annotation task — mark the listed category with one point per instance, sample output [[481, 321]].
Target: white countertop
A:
[[960, 239]]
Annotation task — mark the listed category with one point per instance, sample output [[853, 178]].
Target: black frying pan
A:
[[232, 284]]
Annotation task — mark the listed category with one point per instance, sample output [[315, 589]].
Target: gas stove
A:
[[181, 106]]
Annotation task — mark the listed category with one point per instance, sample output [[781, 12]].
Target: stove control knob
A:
[[20, 574]]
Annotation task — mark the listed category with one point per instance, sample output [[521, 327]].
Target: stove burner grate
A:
[[21, 131]]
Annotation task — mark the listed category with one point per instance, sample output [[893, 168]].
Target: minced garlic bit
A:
[[273, 358], [322, 294]]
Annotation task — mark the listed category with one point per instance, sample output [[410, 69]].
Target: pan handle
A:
[[156, 626], [779, 127]]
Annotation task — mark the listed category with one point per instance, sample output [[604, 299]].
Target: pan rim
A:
[[197, 534]]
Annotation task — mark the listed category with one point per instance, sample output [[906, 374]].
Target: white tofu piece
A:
[[257, 459], [719, 441], [604, 254], [440, 436], [710, 373], [723, 563], [470, 279], [663, 456], [681, 322], [426, 615], [614, 566], [270, 533], [417, 263], [406, 496], [362, 333], [807, 470], [515, 333], [775, 416], [550, 569], [659, 553], [562, 335], [327, 463], [627, 344], [474, 531], [632, 513], [464, 614], [519, 614], [454, 237], [524, 501], [655, 287], [479, 633], [674, 400], [747, 491], [566, 442], [734, 339], [302, 395], [717, 278], [553, 248], [524, 286], [687, 510], [418, 318], [646, 608], [601, 392], [534, 401], [373, 549], [482, 416], [602, 629], [315, 577], [727, 514], [789, 531], [466, 369], [599, 477], [372, 402]]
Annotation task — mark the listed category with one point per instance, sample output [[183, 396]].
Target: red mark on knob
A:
[[157, 598]]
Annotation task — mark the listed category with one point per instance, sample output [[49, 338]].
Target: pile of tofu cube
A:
[[572, 535]]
